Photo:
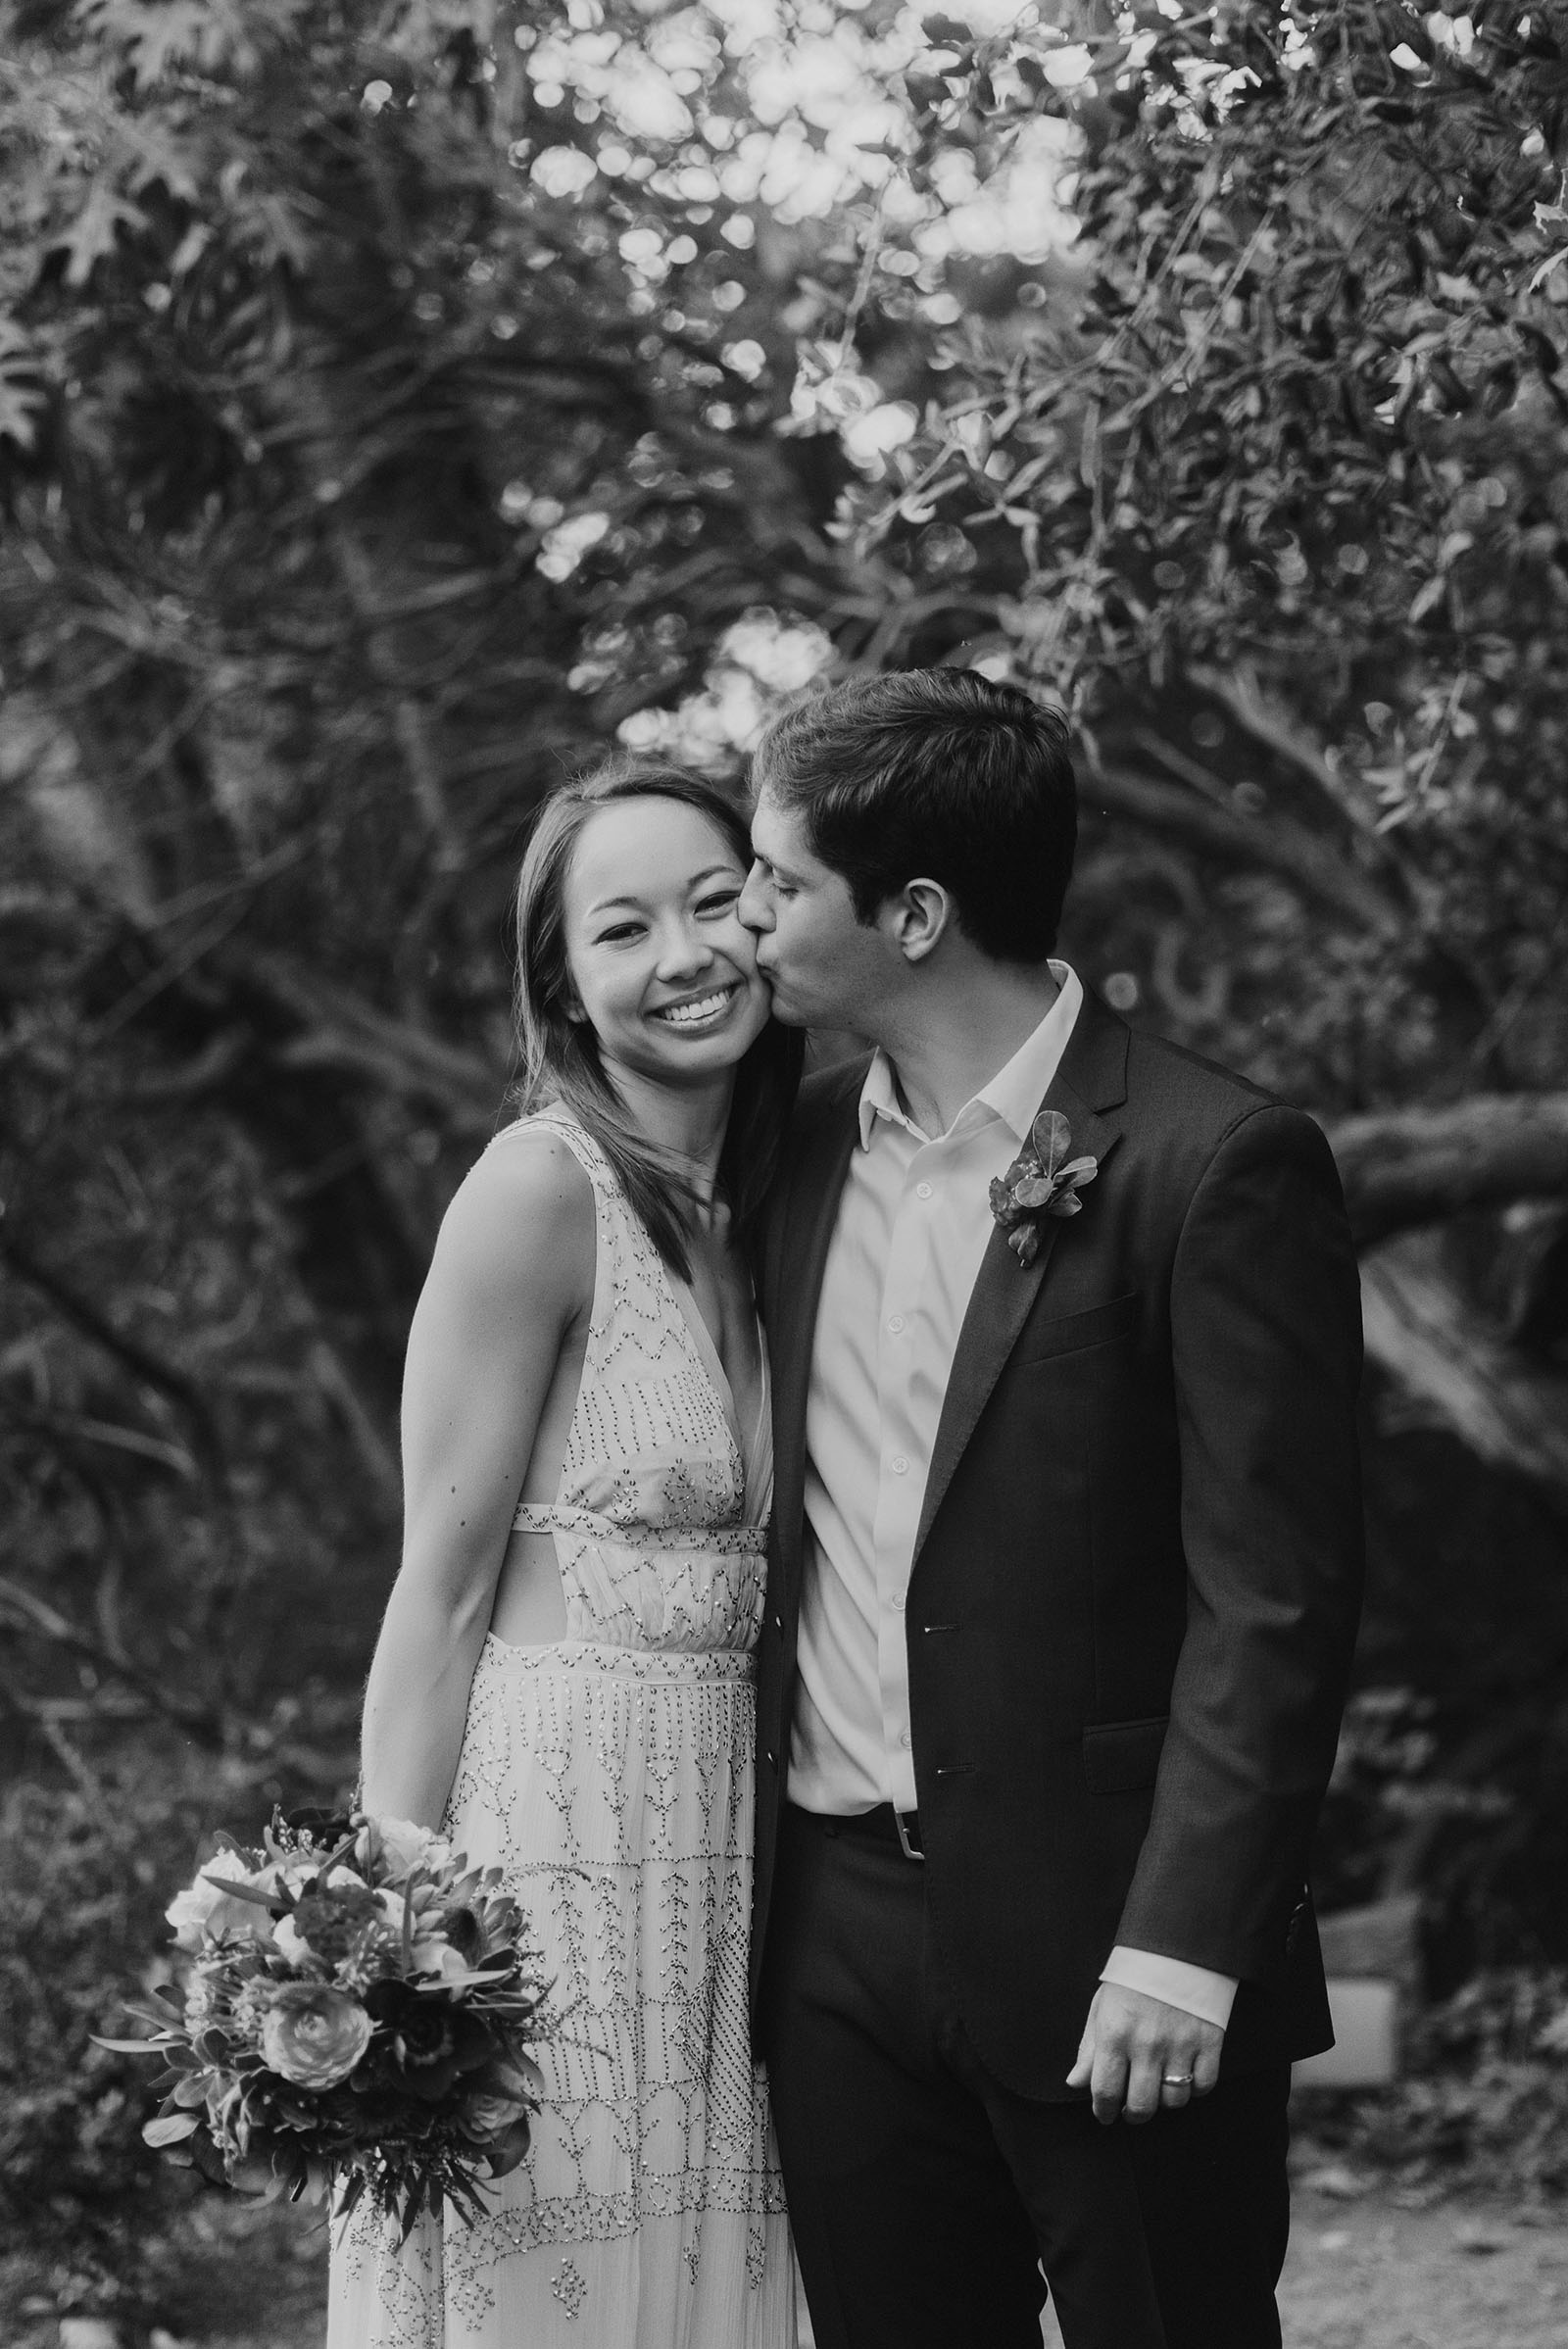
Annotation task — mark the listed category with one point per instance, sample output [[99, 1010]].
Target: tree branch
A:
[[379, 1461], [340, 1030], [1426, 1335], [1406, 1167], [161, 1375], [1277, 845], [142, 1447], [1281, 731], [202, 1722], [329, 461]]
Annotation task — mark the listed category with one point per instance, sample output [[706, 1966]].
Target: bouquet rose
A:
[[356, 2014]]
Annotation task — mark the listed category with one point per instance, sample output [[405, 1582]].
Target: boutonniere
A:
[[1041, 1181]]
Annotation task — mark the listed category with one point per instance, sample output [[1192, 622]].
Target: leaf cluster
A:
[[1266, 486]]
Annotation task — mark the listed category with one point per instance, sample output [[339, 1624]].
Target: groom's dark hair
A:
[[941, 774]]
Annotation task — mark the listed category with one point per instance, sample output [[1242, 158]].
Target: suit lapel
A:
[[811, 1213], [1090, 1083]]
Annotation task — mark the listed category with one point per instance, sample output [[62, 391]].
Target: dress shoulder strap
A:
[[582, 1146], [625, 1267]]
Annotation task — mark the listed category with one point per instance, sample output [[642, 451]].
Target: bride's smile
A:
[[702, 1010]]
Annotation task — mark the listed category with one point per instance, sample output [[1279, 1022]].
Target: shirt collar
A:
[[1014, 1094]]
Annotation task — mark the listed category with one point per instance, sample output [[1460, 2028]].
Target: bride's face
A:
[[661, 964]]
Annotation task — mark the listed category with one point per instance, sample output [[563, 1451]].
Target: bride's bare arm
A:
[[512, 1272]]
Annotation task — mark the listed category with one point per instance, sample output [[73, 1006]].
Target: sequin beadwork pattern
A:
[[610, 1777]]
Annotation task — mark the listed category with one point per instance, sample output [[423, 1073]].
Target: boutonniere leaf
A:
[[1043, 1180]]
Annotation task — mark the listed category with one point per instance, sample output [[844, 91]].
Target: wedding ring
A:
[[1178, 2079]]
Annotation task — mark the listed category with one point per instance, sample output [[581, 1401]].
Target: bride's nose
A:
[[683, 952]]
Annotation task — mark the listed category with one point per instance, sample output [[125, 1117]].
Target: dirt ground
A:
[[1366, 2272]]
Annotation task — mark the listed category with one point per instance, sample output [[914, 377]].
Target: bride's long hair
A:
[[561, 1061]]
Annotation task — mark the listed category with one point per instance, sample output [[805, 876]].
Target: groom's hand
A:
[[1133, 2049]]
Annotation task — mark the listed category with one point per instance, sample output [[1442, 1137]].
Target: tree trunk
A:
[[1406, 1167], [1422, 1330]]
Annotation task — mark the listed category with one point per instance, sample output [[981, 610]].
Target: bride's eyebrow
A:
[[637, 905]]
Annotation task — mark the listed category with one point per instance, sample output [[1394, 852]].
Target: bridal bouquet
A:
[[357, 2015]]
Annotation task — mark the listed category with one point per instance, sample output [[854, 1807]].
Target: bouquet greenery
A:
[[357, 2016]]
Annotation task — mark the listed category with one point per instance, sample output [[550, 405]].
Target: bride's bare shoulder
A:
[[524, 1214]]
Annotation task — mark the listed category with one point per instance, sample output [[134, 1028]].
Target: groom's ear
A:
[[917, 920]]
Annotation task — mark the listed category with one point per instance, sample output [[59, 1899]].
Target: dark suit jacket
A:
[[1138, 1574]]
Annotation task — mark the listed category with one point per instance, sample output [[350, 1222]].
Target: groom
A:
[[1065, 1571]]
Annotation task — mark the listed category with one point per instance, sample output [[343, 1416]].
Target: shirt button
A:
[[896, 1323], [906, 1739], [922, 1190], [896, 1602], [898, 1464]]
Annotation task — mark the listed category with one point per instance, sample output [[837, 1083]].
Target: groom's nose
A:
[[756, 907]]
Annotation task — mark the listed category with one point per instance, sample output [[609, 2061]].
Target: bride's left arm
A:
[[513, 1273]]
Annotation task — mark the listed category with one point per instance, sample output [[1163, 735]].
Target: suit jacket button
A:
[[778, 1623], [772, 1759]]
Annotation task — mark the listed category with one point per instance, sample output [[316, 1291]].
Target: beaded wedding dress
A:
[[610, 1776]]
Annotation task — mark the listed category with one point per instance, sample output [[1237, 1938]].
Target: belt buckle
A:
[[911, 1851]]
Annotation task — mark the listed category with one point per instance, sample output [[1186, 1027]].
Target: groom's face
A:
[[827, 967]]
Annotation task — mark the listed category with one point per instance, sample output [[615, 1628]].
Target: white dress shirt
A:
[[913, 1221]]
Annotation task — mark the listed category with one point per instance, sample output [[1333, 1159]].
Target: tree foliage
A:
[[338, 456], [1269, 486]]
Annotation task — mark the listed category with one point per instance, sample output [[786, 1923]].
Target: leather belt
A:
[[884, 1825]]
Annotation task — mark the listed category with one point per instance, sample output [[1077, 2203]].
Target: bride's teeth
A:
[[684, 1014]]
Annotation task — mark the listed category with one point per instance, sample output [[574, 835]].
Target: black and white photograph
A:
[[783, 1174]]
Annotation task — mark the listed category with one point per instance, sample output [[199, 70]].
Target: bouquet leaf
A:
[[169, 2128], [233, 1889]]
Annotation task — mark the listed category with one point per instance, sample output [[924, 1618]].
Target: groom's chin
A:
[[785, 1013]]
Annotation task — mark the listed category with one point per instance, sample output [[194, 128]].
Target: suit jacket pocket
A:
[[1070, 1333], [1121, 1756]]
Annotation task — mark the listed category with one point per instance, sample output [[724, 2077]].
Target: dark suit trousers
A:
[[926, 2197]]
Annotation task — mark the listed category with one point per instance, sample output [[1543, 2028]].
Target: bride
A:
[[563, 1679]]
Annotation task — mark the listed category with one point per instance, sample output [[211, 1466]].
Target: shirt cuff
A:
[[1194, 1988]]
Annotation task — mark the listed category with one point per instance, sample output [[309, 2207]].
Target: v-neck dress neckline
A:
[[655, 1442], [755, 1455]]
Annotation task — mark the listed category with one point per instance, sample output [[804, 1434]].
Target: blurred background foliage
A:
[[400, 403]]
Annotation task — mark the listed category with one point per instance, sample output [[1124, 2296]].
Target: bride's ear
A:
[[917, 919]]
